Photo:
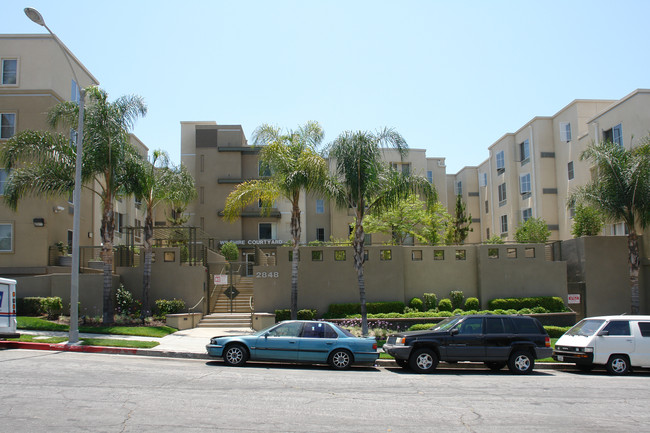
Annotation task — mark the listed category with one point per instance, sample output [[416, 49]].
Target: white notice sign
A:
[[220, 279], [574, 299]]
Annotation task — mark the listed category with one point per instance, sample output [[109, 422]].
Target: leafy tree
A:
[[180, 192], [367, 185], [401, 221], [533, 231], [436, 225], [230, 251], [295, 166], [621, 191], [43, 163], [587, 221], [460, 223]]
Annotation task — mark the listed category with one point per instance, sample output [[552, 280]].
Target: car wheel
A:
[[618, 365], [235, 355], [423, 361], [521, 362], [402, 363], [340, 359], [495, 366]]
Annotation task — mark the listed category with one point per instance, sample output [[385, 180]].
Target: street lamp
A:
[[73, 336]]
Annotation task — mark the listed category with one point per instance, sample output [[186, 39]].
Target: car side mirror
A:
[[266, 335], [603, 333], [454, 331]]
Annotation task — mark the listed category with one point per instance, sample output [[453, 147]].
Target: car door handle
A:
[[329, 344], [292, 342]]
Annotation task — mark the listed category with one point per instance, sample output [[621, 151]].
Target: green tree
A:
[[294, 166], [621, 191], [459, 226], [399, 222], [367, 185], [180, 192], [587, 221], [532, 231], [230, 251], [43, 163], [495, 239]]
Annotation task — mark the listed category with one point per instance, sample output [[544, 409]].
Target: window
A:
[[511, 253], [493, 253], [404, 167], [6, 238], [482, 179], [644, 327], [618, 327], [320, 234], [266, 230], [202, 195], [501, 163], [317, 256], [472, 325], [565, 132], [385, 255], [570, 170], [487, 233], [504, 224], [502, 194], [524, 184], [438, 254], [416, 255], [9, 71], [291, 329], [459, 188], [615, 135], [430, 176], [263, 170], [4, 176], [339, 255], [494, 325], [366, 256], [320, 206], [524, 151], [202, 163], [202, 223], [461, 254], [487, 207], [121, 219], [620, 229], [318, 330], [526, 214], [7, 125], [525, 325]]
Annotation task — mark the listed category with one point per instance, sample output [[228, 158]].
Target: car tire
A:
[[495, 366], [423, 360], [340, 359], [521, 362], [402, 363], [618, 365], [235, 355]]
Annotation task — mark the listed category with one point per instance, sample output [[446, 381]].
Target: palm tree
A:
[[295, 166], [369, 185], [44, 163], [621, 191]]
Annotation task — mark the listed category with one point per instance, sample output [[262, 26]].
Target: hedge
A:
[[30, 306], [339, 311], [285, 314], [553, 304], [553, 331], [169, 306]]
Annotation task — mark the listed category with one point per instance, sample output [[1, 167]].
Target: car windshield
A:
[[446, 324], [586, 328]]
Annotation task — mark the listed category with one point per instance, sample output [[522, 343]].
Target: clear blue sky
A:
[[451, 76]]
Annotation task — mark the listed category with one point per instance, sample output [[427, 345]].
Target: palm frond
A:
[[248, 193]]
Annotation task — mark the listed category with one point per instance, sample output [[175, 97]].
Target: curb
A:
[[192, 355]]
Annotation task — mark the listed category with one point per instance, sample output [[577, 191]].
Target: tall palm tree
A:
[[44, 163], [369, 185], [295, 166], [621, 191]]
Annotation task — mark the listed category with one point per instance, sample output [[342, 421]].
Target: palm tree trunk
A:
[[146, 274], [634, 261], [295, 233], [107, 229], [358, 265]]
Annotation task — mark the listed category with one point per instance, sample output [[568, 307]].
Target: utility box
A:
[[8, 309]]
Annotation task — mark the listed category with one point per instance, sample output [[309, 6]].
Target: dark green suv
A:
[[515, 341]]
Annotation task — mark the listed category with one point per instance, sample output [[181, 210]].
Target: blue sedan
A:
[[302, 341]]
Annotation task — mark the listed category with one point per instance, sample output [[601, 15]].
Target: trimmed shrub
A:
[[285, 314], [123, 300], [472, 304], [230, 251], [30, 306], [457, 312], [556, 331], [525, 311], [430, 301], [553, 304], [339, 311], [445, 313], [52, 307], [416, 304], [457, 298], [539, 310], [465, 313], [421, 326], [169, 306], [445, 305]]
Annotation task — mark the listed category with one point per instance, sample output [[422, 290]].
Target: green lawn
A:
[[109, 342], [39, 324]]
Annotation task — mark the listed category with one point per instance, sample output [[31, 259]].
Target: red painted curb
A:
[[67, 347]]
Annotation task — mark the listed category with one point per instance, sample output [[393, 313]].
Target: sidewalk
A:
[[190, 343]]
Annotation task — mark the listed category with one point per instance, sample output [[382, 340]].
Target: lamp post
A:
[[73, 336]]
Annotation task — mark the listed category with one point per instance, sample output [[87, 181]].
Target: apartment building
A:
[[34, 76]]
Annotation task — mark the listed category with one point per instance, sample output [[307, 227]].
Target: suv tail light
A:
[[548, 341]]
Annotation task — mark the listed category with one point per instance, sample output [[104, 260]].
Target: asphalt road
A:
[[70, 392]]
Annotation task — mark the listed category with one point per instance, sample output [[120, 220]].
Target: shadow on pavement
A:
[[284, 366]]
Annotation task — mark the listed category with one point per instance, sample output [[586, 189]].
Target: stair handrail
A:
[[250, 304], [189, 310]]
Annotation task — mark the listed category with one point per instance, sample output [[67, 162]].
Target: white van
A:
[[617, 342], [8, 309]]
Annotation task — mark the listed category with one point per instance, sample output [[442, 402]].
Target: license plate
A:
[[560, 358]]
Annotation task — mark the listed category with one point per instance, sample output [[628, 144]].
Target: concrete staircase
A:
[[221, 315]]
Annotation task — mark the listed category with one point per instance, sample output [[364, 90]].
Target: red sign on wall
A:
[[574, 299]]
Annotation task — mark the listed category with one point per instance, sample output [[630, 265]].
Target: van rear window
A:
[[645, 328]]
